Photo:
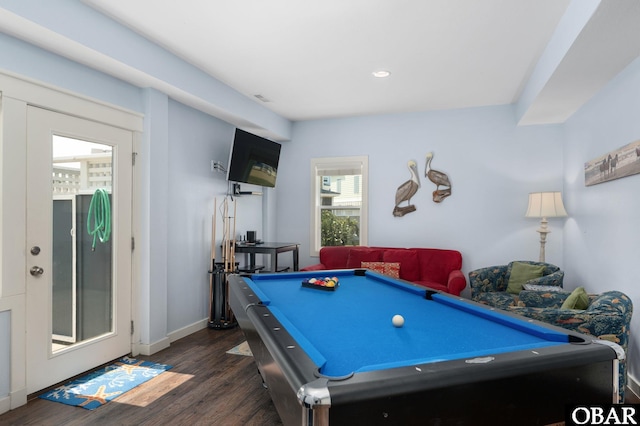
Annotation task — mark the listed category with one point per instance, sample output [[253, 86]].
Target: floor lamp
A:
[[544, 205]]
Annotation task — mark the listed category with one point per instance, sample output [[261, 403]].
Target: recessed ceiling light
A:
[[381, 74]]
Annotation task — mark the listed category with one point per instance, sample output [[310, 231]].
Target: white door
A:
[[79, 179]]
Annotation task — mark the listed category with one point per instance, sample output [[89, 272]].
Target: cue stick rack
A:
[[220, 314]]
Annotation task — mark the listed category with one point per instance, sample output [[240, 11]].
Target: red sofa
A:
[[434, 268]]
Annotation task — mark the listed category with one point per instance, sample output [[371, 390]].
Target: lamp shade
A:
[[545, 204]]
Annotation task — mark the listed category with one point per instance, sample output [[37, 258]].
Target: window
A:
[[338, 202]]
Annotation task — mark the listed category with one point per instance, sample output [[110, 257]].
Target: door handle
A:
[[36, 271]]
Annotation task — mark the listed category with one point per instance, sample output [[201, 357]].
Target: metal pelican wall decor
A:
[[406, 191], [440, 179]]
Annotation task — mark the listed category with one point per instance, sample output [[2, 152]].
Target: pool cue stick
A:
[[224, 236], [233, 247], [213, 234], [233, 262], [226, 232], [213, 260], [229, 238]]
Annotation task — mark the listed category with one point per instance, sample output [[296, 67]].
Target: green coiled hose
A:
[[100, 212]]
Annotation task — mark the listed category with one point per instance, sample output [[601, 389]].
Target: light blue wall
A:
[[492, 163], [602, 237], [192, 189], [194, 140]]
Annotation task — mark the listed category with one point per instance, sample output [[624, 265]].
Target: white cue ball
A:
[[397, 320]]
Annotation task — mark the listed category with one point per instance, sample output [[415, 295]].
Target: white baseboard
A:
[[13, 400], [5, 404], [18, 398], [152, 348], [185, 331]]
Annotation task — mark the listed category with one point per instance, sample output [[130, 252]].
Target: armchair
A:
[[607, 317], [490, 285]]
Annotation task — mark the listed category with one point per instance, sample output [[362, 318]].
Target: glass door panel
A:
[[82, 297]]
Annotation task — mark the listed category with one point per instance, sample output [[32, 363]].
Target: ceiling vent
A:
[[262, 98]]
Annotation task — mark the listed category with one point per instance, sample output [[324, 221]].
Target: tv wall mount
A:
[[238, 191]]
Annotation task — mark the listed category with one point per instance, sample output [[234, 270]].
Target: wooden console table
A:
[[272, 249]]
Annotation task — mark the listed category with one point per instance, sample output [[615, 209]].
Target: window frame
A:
[[336, 166]]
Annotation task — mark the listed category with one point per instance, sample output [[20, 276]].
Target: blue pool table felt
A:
[[350, 330]]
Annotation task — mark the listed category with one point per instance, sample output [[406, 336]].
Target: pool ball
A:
[[397, 320]]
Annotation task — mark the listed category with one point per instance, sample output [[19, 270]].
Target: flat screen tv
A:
[[253, 160]]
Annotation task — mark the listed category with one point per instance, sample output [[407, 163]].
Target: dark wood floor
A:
[[206, 386]]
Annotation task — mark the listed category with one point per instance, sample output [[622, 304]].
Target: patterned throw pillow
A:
[[391, 269]]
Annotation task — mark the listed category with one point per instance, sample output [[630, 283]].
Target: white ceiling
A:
[[314, 59]]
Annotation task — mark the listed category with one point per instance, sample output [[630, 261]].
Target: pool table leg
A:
[[318, 416], [315, 400]]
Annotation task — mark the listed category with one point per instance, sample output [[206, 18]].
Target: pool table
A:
[[333, 356]]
